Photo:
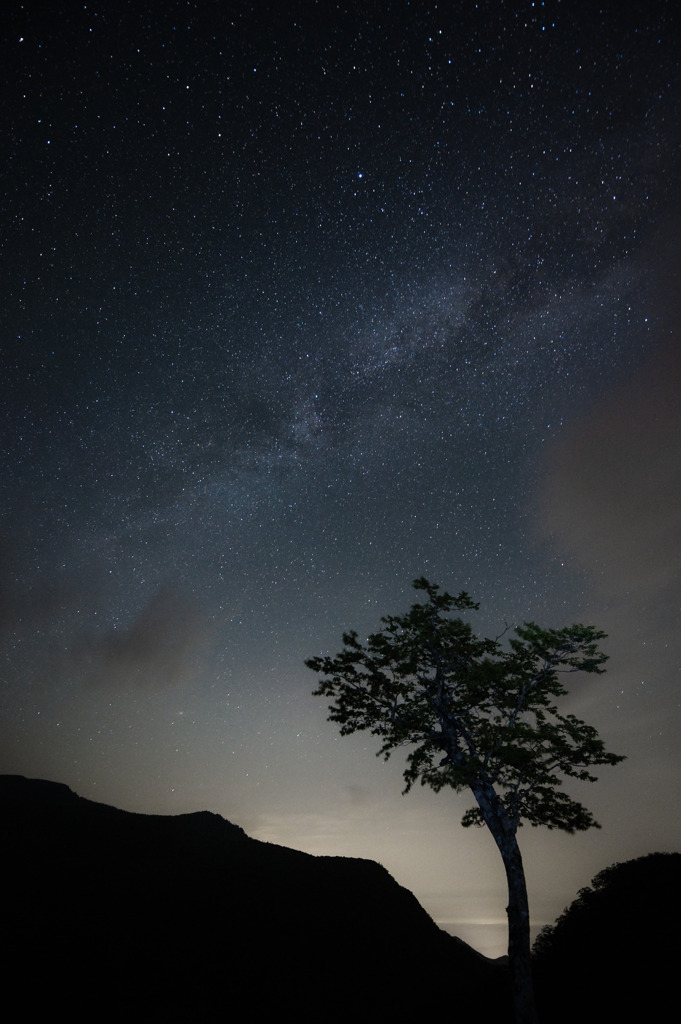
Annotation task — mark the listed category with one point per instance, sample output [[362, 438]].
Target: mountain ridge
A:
[[187, 914]]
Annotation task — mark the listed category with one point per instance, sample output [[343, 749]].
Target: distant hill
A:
[[613, 955], [110, 915]]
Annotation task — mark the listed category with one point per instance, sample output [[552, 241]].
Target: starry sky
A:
[[300, 302]]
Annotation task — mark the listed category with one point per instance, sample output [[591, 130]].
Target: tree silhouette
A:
[[476, 716]]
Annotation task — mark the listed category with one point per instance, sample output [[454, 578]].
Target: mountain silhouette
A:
[[110, 915], [613, 954]]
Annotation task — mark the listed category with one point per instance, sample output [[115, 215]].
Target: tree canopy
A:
[[473, 711]]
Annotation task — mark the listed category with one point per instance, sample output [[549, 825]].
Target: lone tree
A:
[[476, 716]]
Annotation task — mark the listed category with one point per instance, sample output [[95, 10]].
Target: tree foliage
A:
[[476, 714]]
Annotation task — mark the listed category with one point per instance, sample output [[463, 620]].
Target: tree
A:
[[477, 716]]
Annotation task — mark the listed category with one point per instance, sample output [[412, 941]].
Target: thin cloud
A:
[[154, 650], [612, 489]]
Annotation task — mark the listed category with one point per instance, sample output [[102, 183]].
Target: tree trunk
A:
[[519, 948], [518, 909]]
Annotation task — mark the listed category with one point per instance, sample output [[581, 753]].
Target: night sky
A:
[[302, 301]]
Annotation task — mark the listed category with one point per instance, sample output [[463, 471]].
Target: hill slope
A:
[[186, 917], [614, 953]]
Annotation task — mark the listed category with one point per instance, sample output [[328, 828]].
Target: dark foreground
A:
[[112, 915], [108, 915]]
